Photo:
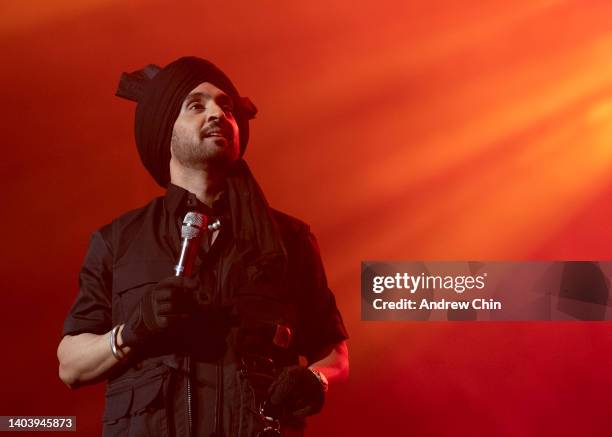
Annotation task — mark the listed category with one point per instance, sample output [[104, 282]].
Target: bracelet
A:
[[322, 379], [113, 344]]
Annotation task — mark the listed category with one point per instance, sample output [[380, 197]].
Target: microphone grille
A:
[[193, 223]]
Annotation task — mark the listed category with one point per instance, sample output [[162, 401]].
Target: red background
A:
[[398, 130]]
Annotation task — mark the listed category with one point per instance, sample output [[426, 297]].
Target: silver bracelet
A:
[[113, 343]]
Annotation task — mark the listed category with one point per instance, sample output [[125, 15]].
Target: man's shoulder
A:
[[294, 233], [289, 224], [133, 218], [138, 214]]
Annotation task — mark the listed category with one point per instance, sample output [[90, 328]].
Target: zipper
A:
[[197, 267], [219, 400], [219, 418], [188, 372]]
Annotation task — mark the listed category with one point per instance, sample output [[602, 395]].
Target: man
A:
[[249, 343]]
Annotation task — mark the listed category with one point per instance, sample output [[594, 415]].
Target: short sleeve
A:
[[91, 311], [320, 324]]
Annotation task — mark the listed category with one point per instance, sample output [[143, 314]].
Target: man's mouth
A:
[[222, 133]]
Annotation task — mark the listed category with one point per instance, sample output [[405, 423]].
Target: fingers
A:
[[304, 412], [191, 283], [297, 393], [175, 296], [171, 301], [165, 322], [282, 389], [179, 282], [179, 303]]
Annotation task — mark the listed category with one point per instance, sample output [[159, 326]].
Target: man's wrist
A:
[[118, 349]]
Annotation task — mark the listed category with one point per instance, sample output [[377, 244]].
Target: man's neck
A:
[[206, 184]]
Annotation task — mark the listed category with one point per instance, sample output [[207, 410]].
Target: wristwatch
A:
[[321, 377]]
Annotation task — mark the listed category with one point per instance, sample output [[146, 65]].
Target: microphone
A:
[[194, 225]]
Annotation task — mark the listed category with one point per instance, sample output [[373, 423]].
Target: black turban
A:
[[160, 94]]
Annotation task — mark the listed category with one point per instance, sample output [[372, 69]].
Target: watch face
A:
[[321, 377]]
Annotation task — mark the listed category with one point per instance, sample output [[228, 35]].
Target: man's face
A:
[[205, 133]]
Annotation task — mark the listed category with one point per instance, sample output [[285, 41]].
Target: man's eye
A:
[[196, 106]]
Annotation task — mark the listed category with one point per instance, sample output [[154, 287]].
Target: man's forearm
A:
[[335, 366], [86, 357]]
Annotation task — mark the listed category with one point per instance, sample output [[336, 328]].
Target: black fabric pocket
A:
[[132, 279], [135, 406]]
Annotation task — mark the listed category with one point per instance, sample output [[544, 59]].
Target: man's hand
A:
[[295, 394], [171, 301]]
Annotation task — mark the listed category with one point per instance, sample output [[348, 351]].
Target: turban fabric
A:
[[160, 93]]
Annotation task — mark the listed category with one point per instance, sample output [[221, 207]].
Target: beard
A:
[[198, 153]]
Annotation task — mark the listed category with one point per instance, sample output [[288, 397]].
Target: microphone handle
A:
[[185, 262]]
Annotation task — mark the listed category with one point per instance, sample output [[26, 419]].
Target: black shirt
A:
[[137, 250]]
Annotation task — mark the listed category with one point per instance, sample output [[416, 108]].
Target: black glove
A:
[[295, 394], [171, 301]]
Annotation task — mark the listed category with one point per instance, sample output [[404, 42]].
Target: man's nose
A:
[[215, 111]]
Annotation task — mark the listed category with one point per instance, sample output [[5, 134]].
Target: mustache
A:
[[220, 127]]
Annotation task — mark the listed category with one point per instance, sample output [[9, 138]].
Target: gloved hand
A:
[[171, 301], [295, 394]]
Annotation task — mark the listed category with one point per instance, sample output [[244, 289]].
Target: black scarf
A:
[[257, 256]]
